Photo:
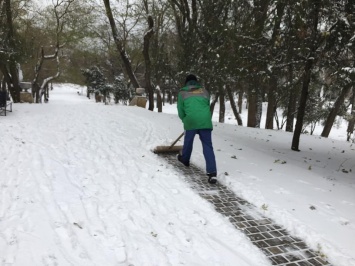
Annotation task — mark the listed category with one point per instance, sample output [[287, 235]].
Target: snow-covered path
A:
[[80, 186]]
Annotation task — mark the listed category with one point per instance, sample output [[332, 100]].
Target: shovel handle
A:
[[172, 145]]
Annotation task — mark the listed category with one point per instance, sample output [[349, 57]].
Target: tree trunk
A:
[[213, 103], [7, 76], [255, 99], [35, 86], [259, 109], [271, 107], [37, 90], [291, 110], [334, 111], [159, 102], [351, 124], [252, 108], [222, 105], [147, 73], [272, 88], [88, 92], [15, 88], [233, 106], [2, 84], [164, 97], [240, 100], [306, 76], [302, 105], [170, 97], [120, 47]]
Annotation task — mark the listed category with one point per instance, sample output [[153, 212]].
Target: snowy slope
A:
[[79, 185]]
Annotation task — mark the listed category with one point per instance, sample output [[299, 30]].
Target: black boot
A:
[[179, 157], [212, 178]]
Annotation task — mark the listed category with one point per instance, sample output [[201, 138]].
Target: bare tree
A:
[[120, 45], [146, 45], [61, 9]]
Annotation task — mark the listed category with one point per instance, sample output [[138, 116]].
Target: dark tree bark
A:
[[120, 47], [351, 124], [233, 106], [254, 112], [271, 107], [213, 103], [302, 105], [334, 111], [147, 75], [253, 104], [14, 88], [7, 77], [164, 97], [240, 100], [307, 76], [272, 88], [159, 102], [222, 105], [252, 108], [170, 97], [291, 110]]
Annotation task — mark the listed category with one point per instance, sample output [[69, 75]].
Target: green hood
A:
[[194, 106]]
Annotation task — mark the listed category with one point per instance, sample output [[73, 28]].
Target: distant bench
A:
[[5, 104]]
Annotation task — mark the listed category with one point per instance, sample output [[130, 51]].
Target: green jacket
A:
[[194, 106]]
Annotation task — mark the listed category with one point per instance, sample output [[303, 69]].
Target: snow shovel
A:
[[171, 148]]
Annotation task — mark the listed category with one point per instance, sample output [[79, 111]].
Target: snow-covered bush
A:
[[121, 91]]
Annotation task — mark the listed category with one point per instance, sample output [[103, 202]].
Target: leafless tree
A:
[[61, 9], [120, 45]]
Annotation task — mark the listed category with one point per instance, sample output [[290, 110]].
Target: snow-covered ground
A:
[[79, 185]]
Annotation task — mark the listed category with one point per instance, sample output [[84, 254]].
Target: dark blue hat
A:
[[190, 77]]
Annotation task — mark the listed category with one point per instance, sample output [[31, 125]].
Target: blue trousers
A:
[[206, 140]]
